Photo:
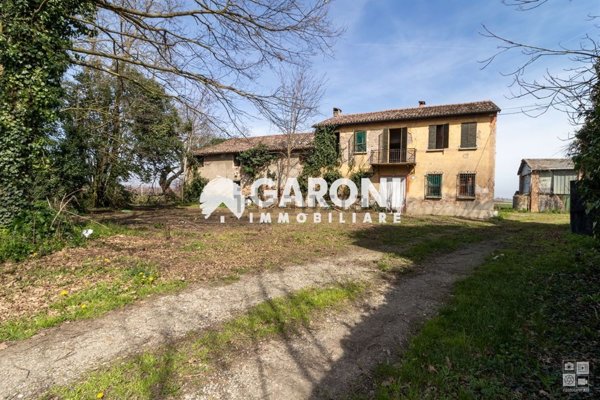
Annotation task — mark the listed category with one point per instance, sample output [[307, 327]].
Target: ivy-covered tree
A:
[[157, 134], [34, 38], [586, 154]]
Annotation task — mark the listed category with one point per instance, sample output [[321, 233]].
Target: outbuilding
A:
[[544, 184]]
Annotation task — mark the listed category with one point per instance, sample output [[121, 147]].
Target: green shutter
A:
[[434, 186], [432, 134], [360, 141]]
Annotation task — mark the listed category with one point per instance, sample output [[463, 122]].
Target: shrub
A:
[[37, 230], [358, 175], [193, 189]]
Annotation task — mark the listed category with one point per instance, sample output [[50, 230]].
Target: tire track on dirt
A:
[[331, 359]]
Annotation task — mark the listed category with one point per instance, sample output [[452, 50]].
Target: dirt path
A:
[[60, 355], [319, 363], [331, 360]]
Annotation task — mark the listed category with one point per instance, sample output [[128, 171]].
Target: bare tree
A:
[[567, 90], [297, 101], [198, 132], [218, 46]]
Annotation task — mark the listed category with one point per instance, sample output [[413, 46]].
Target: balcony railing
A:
[[393, 156]]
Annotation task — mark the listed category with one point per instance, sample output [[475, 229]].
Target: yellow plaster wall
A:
[[450, 162]]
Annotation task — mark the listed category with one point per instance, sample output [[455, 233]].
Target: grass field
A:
[[158, 251], [510, 325], [532, 304], [503, 335]]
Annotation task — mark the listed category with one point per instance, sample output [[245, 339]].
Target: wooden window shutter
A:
[[446, 133], [432, 135], [464, 135], [468, 135], [384, 145], [385, 139], [473, 135]]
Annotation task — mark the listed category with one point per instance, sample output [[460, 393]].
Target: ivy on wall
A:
[[324, 160], [254, 160]]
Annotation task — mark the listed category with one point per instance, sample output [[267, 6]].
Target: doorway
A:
[[397, 150], [395, 192]]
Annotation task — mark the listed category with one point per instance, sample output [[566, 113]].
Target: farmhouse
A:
[[222, 159], [444, 155], [544, 184]]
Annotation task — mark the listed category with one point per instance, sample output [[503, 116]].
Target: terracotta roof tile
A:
[[448, 110], [301, 141]]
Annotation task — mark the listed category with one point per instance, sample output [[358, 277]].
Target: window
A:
[[337, 142], [200, 161], [433, 186], [468, 135], [360, 142], [236, 160], [438, 137], [466, 185]]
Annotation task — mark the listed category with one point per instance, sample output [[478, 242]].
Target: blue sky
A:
[[394, 53]]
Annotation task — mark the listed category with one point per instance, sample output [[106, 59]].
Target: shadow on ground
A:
[[338, 361]]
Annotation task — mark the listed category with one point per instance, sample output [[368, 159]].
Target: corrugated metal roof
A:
[[546, 164]]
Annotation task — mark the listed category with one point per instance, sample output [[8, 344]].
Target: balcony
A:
[[393, 156]]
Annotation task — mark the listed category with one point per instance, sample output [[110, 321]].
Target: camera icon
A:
[[569, 366]]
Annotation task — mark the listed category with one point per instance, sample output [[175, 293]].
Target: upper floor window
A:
[[236, 160], [468, 135], [200, 161], [466, 185], [360, 142], [433, 186], [438, 136]]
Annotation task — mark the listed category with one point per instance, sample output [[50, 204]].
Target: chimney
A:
[[422, 103], [337, 111]]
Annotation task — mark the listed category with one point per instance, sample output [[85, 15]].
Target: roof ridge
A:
[[411, 113], [416, 108], [300, 140], [268, 136]]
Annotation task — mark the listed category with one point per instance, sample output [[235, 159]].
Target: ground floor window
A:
[[466, 185], [433, 186]]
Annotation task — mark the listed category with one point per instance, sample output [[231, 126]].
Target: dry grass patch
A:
[[181, 246]]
